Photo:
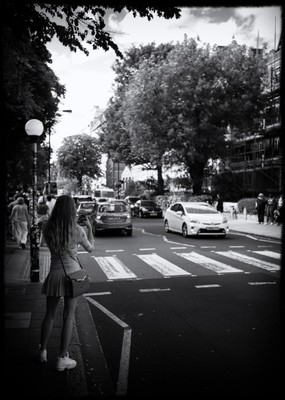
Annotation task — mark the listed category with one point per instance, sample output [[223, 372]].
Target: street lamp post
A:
[[49, 152], [34, 128]]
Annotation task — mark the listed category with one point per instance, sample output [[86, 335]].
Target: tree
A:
[[207, 91], [177, 110], [122, 135], [31, 89], [79, 155]]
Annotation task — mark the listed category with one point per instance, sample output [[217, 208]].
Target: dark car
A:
[[147, 208], [112, 216]]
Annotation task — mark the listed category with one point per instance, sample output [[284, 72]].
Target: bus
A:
[[104, 192]]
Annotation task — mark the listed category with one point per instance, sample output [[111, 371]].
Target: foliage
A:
[[31, 89], [229, 184], [248, 203], [79, 155], [177, 103]]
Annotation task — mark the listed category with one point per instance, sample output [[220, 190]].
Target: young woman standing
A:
[[62, 235]]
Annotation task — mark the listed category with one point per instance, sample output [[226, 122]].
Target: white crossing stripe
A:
[[209, 263], [249, 260], [163, 266], [269, 253], [114, 268]]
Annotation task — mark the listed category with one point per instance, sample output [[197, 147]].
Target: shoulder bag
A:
[[79, 280]]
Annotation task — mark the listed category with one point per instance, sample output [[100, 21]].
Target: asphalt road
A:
[[182, 316]]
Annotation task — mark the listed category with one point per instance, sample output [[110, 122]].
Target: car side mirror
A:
[[180, 213]]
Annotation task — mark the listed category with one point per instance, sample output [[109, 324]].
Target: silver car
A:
[[112, 215], [196, 219]]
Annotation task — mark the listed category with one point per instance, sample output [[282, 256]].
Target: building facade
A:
[[257, 159]]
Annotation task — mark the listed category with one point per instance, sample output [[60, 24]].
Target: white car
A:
[[195, 218]]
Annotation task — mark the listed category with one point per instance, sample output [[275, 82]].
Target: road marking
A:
[[178, 248], [122, 382], [236, 247], [114, 251], [250, 260], [163, 266], [147, 248], [208, 247], [261, 283], [268, 253], [206, 286], [114, 268], [154, 290], [209, 263], [96, 294], [171, 241]]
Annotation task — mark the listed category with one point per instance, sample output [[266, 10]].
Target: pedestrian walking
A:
[[260, 207], [220, 203], [270, 207], [42, 216], [279, 210], [20, 221], [62, 235]]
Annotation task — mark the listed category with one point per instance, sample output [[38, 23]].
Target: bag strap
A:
[[76, 259], [63, 265]]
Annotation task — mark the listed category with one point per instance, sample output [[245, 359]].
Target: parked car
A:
[[131, 200], [195, 218], [112, 215], [147, 208]]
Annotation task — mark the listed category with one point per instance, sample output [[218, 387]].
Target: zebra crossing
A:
[[217, 262]]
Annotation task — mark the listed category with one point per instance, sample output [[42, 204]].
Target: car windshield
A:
[[87, 206], [201, 210], [113, 208], [148, 203], [133, 199]]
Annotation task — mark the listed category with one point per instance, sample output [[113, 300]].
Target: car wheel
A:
[[129, 232], [166, 226], [184, 230]]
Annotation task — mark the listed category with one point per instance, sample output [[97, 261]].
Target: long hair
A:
[[60, 227]]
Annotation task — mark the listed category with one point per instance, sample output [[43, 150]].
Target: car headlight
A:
[[194, 221], [144, 209], [98, 217]]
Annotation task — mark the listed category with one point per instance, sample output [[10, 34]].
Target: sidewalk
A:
[[249, 225], [24, 310]]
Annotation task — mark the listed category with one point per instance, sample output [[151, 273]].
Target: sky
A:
[[89, 79]]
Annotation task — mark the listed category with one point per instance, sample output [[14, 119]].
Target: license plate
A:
[[212, 228], [153, 213]]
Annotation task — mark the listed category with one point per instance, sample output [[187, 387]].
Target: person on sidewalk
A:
[[220, 204], [260, 207], [50, 203], [42, 216], [270, 208], [62, 235], [20, 221]]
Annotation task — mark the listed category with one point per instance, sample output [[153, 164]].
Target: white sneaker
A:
[[42, 355], [65, 363]]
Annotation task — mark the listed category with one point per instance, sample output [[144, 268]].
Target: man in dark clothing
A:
[[260, 207], [220, 204]]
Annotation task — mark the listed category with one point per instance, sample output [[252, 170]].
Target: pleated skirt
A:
[[56, 283]]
